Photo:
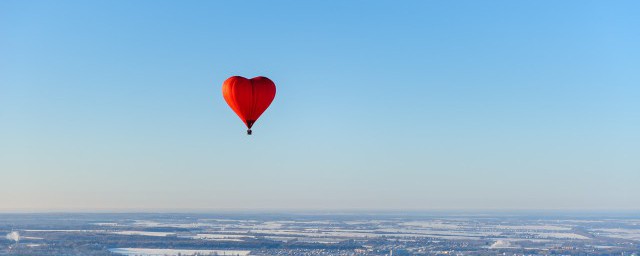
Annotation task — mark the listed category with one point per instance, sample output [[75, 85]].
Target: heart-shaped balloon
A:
[[249, 98]]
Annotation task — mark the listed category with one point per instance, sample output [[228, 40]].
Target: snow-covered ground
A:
[[154, 224], [218, 237], [631, 234], [532, 227], [106, 224], [175, 252], [143, 233], [561, 235], [500, 244], [431, 224]]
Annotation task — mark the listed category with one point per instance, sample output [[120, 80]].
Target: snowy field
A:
[[175, 252], [143, 233]]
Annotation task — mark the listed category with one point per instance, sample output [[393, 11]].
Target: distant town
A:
[[320, 234]]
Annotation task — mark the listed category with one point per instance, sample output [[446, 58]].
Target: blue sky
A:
[[396, 105]]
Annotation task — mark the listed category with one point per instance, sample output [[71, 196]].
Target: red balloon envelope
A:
[[249, 98]]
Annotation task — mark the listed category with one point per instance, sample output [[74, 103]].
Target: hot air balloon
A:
[[249, 98]]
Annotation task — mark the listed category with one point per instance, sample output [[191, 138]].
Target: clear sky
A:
[[392, 105]]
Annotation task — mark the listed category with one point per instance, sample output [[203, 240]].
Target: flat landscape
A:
[[242, 234]]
